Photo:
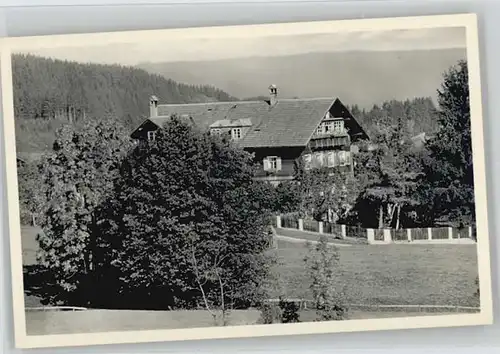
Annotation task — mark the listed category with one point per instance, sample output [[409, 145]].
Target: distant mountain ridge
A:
[[362, 78]]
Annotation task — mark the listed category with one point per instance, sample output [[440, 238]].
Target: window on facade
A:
[[328, 127], [319, 129], [272, 163], [216, 131], [331, 160], [344, 158], [318, 159], [307, 161], [151, 135], [348, 157], [338, 125], [236, 133]]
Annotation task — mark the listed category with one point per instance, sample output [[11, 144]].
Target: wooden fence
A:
[[304, 304], [415, 235]]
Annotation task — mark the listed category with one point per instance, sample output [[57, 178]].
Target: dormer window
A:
[[236, 133], [151, 135]]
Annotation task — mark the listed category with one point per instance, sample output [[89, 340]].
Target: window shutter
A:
[[331, 159], [278, 163], [267, 165], [342, 159], [335, 158], [316, 160], [307, 161]]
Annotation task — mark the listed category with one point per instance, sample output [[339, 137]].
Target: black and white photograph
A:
[[222, 182]]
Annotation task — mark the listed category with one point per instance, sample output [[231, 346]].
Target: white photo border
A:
[[484, 317]]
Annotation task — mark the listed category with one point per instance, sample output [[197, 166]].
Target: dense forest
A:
[[50, 92], [419, 115]]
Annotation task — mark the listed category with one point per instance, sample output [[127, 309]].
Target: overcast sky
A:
[[171, 49]]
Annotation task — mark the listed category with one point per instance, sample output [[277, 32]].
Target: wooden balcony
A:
[[325, 141]]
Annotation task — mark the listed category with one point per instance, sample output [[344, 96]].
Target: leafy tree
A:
[[287, 197], [419, 114], [388, 174], [325, 191], [449, 167], [78, 174], [31, 191], [322, 264], [50, 92], [186, 219]]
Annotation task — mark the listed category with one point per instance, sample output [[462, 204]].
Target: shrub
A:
[[270, 313], [185, 225], [322, 263], [290, 311]]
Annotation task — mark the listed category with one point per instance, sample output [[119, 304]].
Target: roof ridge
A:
[[333, 98], [206, 103], [307, 99]]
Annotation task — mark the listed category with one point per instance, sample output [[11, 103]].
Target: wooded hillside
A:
[[49, 92], [418, 114]]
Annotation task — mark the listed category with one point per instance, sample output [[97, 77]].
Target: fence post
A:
[[320, 227], [370, 235], [470, 232], [408, 233], [387, 235], [301, 225], [278, 221], [450, 233], [343, 231], [429, 233]]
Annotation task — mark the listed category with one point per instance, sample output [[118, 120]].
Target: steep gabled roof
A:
[[290, 122], [205, 114], [223, 123], [287, 123]]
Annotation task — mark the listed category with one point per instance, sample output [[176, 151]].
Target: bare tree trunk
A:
[[223, 306], [397, 216], [381, 217], [391, 214], [202, 290]]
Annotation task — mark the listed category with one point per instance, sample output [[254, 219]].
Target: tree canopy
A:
[[77, 175], [49, 93], [187, 219], [448, 166]]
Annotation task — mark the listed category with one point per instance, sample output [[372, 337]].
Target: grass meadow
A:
[[368, 274]]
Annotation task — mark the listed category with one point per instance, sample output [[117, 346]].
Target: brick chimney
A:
[[153, 106], [273, 95]]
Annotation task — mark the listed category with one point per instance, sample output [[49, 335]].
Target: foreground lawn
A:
[[59, 322], [29, 244], [370, 274], [310, 236], [392, 274]]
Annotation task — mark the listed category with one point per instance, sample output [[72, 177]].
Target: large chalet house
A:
[[321, 131]]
